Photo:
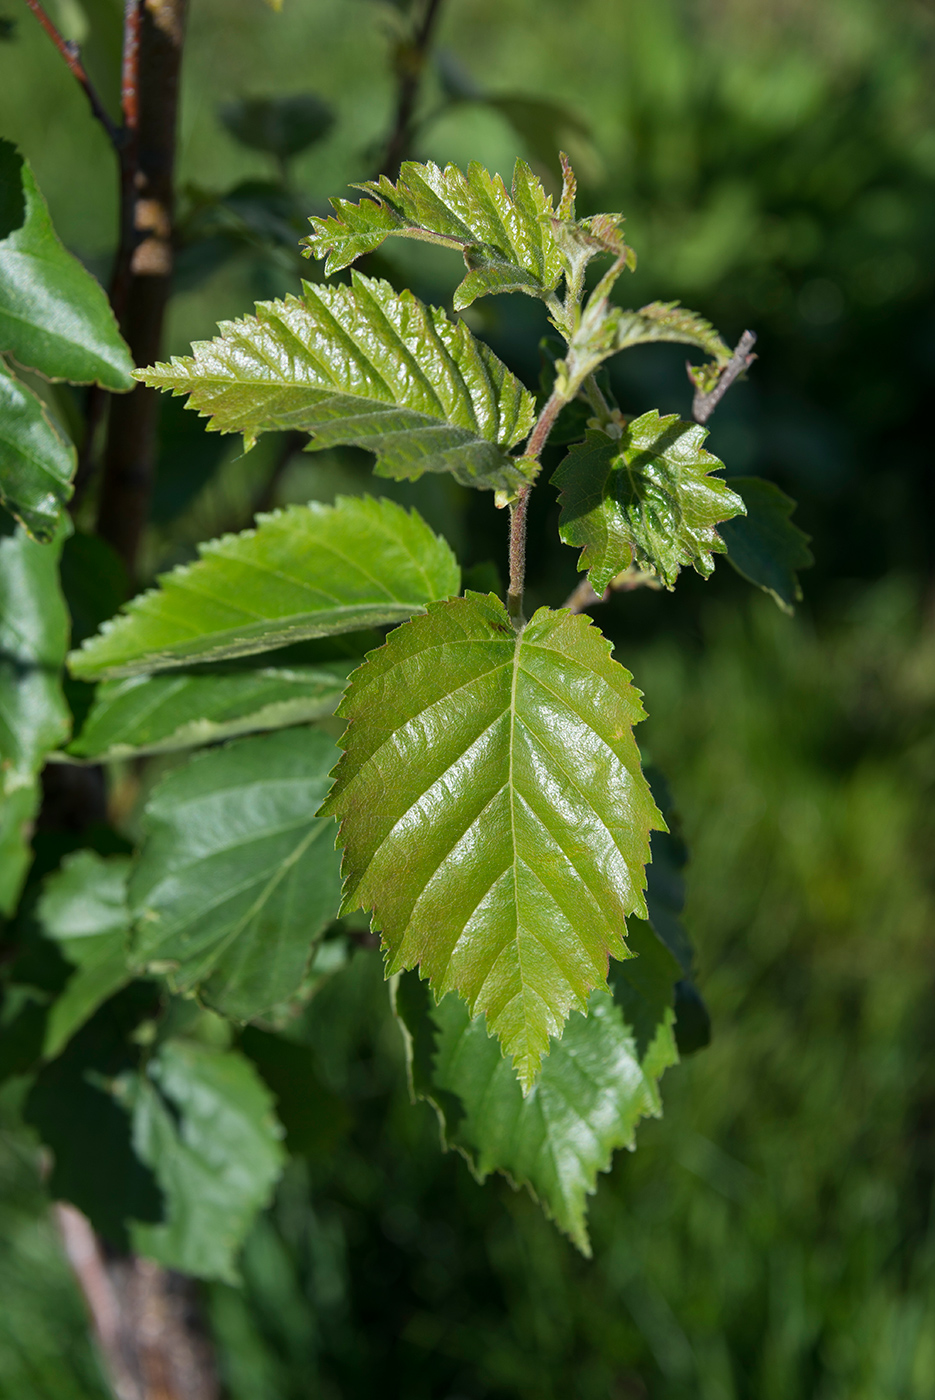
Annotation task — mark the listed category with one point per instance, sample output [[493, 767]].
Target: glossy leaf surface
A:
[[83, 909], [499, 771], [594, 1088], [646, 498], [33, 715], [504, 236], [365, 365], [157, 714], [54, 316], [237, 877], [668, 321], [36, 464], [203, 1122], [764, 545], [307, 571]]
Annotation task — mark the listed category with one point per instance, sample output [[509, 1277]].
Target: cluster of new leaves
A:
[[487, 793]]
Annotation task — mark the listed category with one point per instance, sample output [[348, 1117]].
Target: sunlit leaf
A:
[[54, 317], [504, 236], [157, 714], [364, 365], [595, 1086], [668, 321], [36, 464], [307, 571], [646, 498], [764, 545], [498, 769], [237, 877]]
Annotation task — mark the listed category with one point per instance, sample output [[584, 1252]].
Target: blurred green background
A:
[[772, 1237]]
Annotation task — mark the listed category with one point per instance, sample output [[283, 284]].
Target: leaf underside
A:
[[54, 316], [367, 366], [668, 321], [647, 498], [499, 771], [159, 714], [237, 877], [764, 546], [598, 1081], [504, 236], [36, 464], [307, 571]]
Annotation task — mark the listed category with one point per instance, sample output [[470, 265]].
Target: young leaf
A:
[[33, 715], [203, 1122], [307, 571], [83, 908], [365, 365], [36, 465], [505, 238], [237, 877], [594, 1088], [54, 317], [764, 545], [646, 498], [667, 321], [158, 714], [497, 769]]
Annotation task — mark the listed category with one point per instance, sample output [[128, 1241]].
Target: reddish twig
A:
[[705, 404], [72, 56]]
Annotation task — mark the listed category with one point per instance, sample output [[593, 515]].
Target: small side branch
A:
[[72, 56], [410, 64], [514, 598], [705, 404]]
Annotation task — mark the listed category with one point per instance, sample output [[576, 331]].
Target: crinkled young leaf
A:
[[594, 1088], [237, 876], [764, 545], [158, 714], [646, 498], [83, 909], [203, 1122], [499, 771], [365, 365], [668, 321], [307, 571], [34, 717], [54, 317], [505, 237], [36, 464]]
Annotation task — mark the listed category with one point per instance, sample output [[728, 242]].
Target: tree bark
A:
[[143, 273]]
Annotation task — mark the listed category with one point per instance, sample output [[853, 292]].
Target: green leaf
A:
[[307, 571], [364, 365], [54, 317], [498, 769], [33, 715], [594, 1088], [237, 877], [36, 464], [278, 126], [646, 498], [668, 321], [203, 1122], [505, 238], [158, 714], [83, 909], [313, 1116], [764, 545], [644, 986]]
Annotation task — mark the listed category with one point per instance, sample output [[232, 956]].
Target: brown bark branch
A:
[[142, 275], [703, 404]]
